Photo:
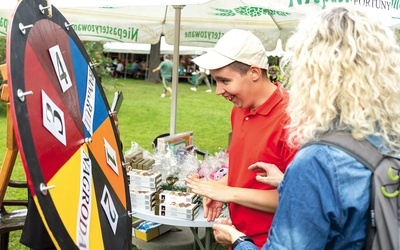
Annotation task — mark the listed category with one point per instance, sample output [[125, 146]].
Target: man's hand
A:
[[212, 209], [215, 190], [211, 199]]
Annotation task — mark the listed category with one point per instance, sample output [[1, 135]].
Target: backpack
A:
[[384, 224]]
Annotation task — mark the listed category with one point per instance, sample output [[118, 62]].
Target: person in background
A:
[[143, 66], [337, 85], [135, 68], [128, 68], [120, 70], [239, 65], [202, 76], [166, 67], [114, 67]]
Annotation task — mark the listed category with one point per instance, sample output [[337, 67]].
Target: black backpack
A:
[[384, 225]]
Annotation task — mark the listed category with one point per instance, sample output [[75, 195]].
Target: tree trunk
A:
[[154, 61]]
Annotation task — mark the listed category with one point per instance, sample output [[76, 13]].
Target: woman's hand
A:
[[225, 233], [272, 175]]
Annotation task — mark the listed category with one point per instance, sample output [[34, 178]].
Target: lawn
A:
[[144, 115]]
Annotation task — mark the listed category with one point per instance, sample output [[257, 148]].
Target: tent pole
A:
[[146, 70], [175, 62], [126, 63]]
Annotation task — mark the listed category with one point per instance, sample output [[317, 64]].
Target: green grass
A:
[[144, 115]]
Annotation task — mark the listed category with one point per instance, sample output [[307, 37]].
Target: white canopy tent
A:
[[133, 48], [201, 22], [191, 22], [182, 22], [388, 11], [142, 48]]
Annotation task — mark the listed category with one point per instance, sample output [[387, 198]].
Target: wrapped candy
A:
[[189, 165], [214, 167]]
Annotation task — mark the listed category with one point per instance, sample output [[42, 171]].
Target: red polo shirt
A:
[[257, 135]]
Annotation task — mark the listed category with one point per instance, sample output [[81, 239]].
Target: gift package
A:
[[143, 200], [157, 182], [175, 142], [147, 230], [177, 204], [178, 196], [137, 158], [144, 187]]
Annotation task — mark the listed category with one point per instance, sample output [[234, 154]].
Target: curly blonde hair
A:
[[344, 69]]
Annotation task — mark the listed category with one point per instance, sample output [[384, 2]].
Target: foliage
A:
[[2, 50], [275, 74], [2, 54], [95, 52]]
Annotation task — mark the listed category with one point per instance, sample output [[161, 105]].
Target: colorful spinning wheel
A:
[[68, 141]]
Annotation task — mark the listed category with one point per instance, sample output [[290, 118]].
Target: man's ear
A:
[[255, 72]]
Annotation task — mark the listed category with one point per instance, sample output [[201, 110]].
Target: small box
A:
[[151, 233], [178, 196], [140, 202], [136, 156], [147, 189], [137, 183], [147, 164], [143, 207], [184, 208], [143, 176], [180, 215], [137, 164], [142, 195], [133, 157]]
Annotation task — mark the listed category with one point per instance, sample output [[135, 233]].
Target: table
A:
[[199, 221]]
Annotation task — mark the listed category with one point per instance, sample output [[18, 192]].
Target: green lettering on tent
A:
[[300, 2], [4, 23], [251, 11], [134, 34], [396, 4]]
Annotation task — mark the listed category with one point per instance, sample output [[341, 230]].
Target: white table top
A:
[[199, 221]]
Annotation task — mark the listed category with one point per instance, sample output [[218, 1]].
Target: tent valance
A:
[[140, 48]]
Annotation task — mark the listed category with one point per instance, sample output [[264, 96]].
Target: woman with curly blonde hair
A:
[[344, 67], [345, 73]]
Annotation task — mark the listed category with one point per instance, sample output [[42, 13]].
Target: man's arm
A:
[[156, 69], [263, 200]]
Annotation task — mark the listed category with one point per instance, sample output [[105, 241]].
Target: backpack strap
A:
[[364, 152]]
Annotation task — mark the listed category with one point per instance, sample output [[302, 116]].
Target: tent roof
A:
[[141, 48], [202, 22]]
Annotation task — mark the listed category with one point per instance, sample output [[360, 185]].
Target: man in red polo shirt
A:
[[239, 65]]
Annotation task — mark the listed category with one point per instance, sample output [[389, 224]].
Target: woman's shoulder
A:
[[324, 158], [317, 151]]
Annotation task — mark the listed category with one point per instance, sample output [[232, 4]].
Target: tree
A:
[[95, 52], [154, 61]]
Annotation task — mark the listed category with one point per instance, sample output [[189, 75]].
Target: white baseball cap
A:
[[235, 45]]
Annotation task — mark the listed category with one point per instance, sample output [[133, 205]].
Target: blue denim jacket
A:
[[323, 203]]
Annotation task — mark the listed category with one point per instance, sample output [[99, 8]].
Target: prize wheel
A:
[[65, 133]]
